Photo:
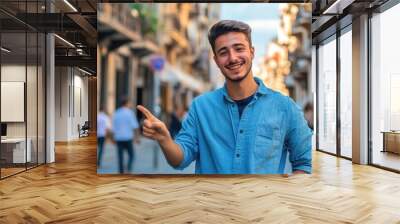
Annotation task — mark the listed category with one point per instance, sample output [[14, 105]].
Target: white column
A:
[[50, 101], [360, 90]]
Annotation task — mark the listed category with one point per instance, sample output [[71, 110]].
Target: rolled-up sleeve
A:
[[298, 139], [187, 138]]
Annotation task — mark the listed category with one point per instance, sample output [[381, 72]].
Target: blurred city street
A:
[[148, 160]]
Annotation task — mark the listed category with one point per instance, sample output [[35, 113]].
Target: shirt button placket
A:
[[237, 153], [238, 148]]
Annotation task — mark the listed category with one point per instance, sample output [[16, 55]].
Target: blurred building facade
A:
[[156, 54], [287, 64], [183, 40], [118, 62]]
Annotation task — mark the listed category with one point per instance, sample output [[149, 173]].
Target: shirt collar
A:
[[261, 90]]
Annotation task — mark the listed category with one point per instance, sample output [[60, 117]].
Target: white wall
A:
[[13, 73], [80, 94], [71, 87], [62, 81]]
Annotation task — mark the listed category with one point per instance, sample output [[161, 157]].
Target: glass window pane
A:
[[15, 150], [13, 87], [23, 84], [346, 94], [385, 89], [327, 97], [31, 97]]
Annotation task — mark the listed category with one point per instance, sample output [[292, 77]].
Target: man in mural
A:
[[241, 128]]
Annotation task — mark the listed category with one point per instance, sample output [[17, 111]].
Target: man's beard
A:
[[240, 78]]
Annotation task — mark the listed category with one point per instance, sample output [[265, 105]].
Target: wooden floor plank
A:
[[70, 191]]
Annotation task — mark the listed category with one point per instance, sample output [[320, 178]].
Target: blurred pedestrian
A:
[[124, 126], [103, 130], [309, 114]]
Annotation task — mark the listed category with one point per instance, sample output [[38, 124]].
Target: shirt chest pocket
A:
[[267, 141]]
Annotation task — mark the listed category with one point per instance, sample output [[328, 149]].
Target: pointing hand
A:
[[152, 127]]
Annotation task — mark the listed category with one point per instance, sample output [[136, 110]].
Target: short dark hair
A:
[[308, 107], [124, 100], [226, 26]]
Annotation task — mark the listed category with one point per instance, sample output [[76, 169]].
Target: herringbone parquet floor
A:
[[70, 191]]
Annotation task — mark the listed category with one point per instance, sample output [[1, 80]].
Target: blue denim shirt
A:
[[272, 126]]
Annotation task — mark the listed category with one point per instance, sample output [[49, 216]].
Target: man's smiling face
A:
[[233, 55]]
